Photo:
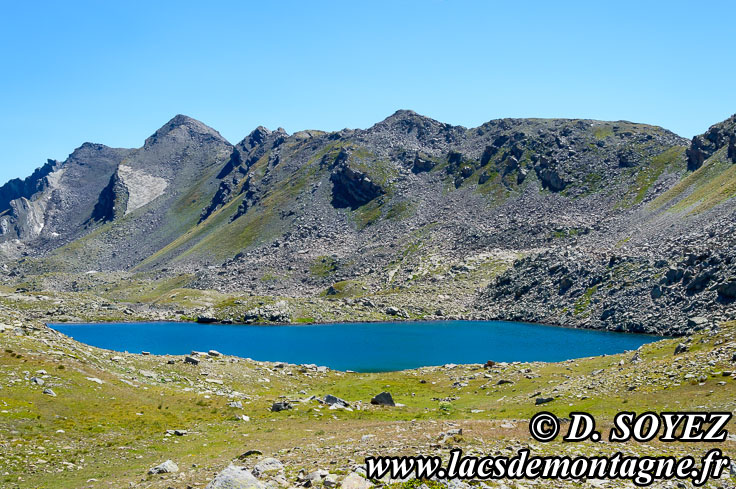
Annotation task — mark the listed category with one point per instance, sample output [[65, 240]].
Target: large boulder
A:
[[383, 399], [235, 477]]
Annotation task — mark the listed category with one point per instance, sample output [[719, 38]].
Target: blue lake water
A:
[[363, 347]]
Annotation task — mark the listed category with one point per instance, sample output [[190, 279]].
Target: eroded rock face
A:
[[352, 188], [716, 137]]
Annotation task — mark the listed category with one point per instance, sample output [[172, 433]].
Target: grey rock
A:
[[332, 400], [281, 406], [167, 467], [355, 481], [235, 477], [383, 399], [267, 466]]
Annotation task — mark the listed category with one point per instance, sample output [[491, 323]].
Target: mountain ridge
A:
[[375, 205]]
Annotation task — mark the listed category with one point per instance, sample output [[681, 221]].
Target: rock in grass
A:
[[249, 453], [355, 481], [383, 399], [280, 406], [268, 466], [681, 348], [332, 400], [543, 400], [235, 477], [330, 481], [37, 381], [191, 360], [167, 467], [49, 392]]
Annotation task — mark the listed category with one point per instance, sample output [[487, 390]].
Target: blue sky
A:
[[113, 72]]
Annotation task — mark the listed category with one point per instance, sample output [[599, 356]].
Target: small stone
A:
[[49, 392]]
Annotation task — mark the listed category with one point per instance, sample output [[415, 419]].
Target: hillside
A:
[[610, 225]]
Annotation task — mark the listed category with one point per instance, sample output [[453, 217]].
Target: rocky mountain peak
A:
[[183, 128], [26, 187], [255, 138]]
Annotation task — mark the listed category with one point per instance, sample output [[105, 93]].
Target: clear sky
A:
[[113, 72]]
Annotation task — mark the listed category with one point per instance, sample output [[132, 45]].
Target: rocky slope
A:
[[617, 225]]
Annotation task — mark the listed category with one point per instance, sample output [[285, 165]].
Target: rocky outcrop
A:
[[27, 187], [716, 137], [112, 202], [352, 188]]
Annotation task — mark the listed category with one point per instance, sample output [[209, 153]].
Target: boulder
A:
[[393, 311], [383, 399], [267, 466], [235, 477], [697, 322], [355, 481], [422, 164], [281, 406], [681, 348], [167, 467], [727, 290], [192, 360], [543, 400], [656, 292], [249, 453], [332, 400]]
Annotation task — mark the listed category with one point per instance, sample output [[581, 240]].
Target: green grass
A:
[[582, 304], [710, 185], [602, 131], [345, 288], [324, 266], [114, 432]]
